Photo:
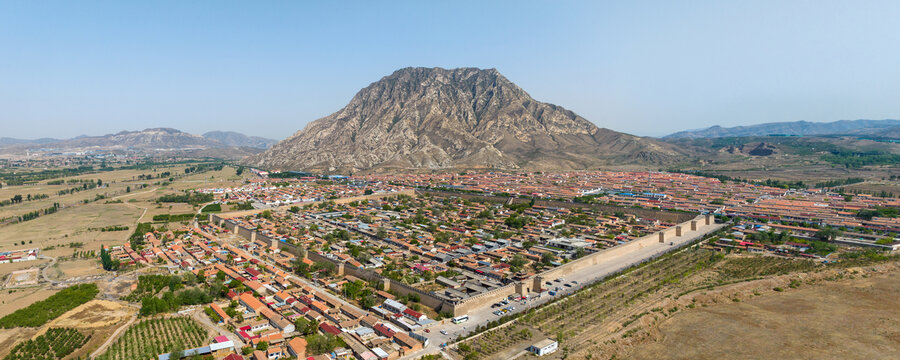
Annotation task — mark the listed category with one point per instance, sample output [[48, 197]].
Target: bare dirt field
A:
[[93, 315], [76, 268], [9, 337], [857, 319], [15, 299]]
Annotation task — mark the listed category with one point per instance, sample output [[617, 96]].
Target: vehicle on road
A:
[[460, 319], [443, 332]]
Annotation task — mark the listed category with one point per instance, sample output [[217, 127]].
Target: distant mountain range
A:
[[232, 138], [154, 139], [467, 118], [801, 128], [8, 141], [226, 145]]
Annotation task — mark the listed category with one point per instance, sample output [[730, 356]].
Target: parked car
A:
[[444, 332]]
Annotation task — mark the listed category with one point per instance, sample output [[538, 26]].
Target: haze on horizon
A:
[[646, 68]]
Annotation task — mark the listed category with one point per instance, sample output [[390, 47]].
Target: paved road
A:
[[48, 266], [615, 259]]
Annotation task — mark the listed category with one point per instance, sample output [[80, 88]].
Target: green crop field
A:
[[149, 338]]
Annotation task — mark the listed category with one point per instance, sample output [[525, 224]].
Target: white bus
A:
[[460, 319]]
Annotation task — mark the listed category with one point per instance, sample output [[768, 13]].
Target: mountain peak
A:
[[436, 118]]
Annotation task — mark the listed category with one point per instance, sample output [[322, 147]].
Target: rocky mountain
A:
[[232, 138], [434, 118], [803, 128]]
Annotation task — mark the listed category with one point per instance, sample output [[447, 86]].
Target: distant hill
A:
[[466, 118], [891, 132], [147, 139], [155, 140], [7, 141], [802, 128], [232, 138]]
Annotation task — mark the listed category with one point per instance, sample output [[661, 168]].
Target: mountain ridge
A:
[[150, 139], [800, 128]]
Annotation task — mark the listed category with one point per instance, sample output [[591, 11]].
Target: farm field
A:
[[15, 299], [39, 313], [56, 343], [100, 318], [70, 225], [77, 222], [96, 318], [7, 268], [149, 338], [848, 320], [75, 268]]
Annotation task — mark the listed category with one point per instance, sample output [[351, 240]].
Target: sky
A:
[[268, 68]]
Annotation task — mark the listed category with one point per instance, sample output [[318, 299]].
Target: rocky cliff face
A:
[[433, 118]]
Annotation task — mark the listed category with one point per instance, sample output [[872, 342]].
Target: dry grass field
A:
[[75, 268], [15, 299], [77, 222], [68, 226], [857, 319], [7, 268], [9, 337]]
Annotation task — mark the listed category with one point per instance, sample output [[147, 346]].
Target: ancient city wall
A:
[[484, 299]]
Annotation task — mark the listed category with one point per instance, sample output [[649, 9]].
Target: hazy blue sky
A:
[[268, 68]]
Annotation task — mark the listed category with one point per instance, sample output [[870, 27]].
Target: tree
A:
[[262, 346], [108, 263], [828, 234], [547, 258]]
